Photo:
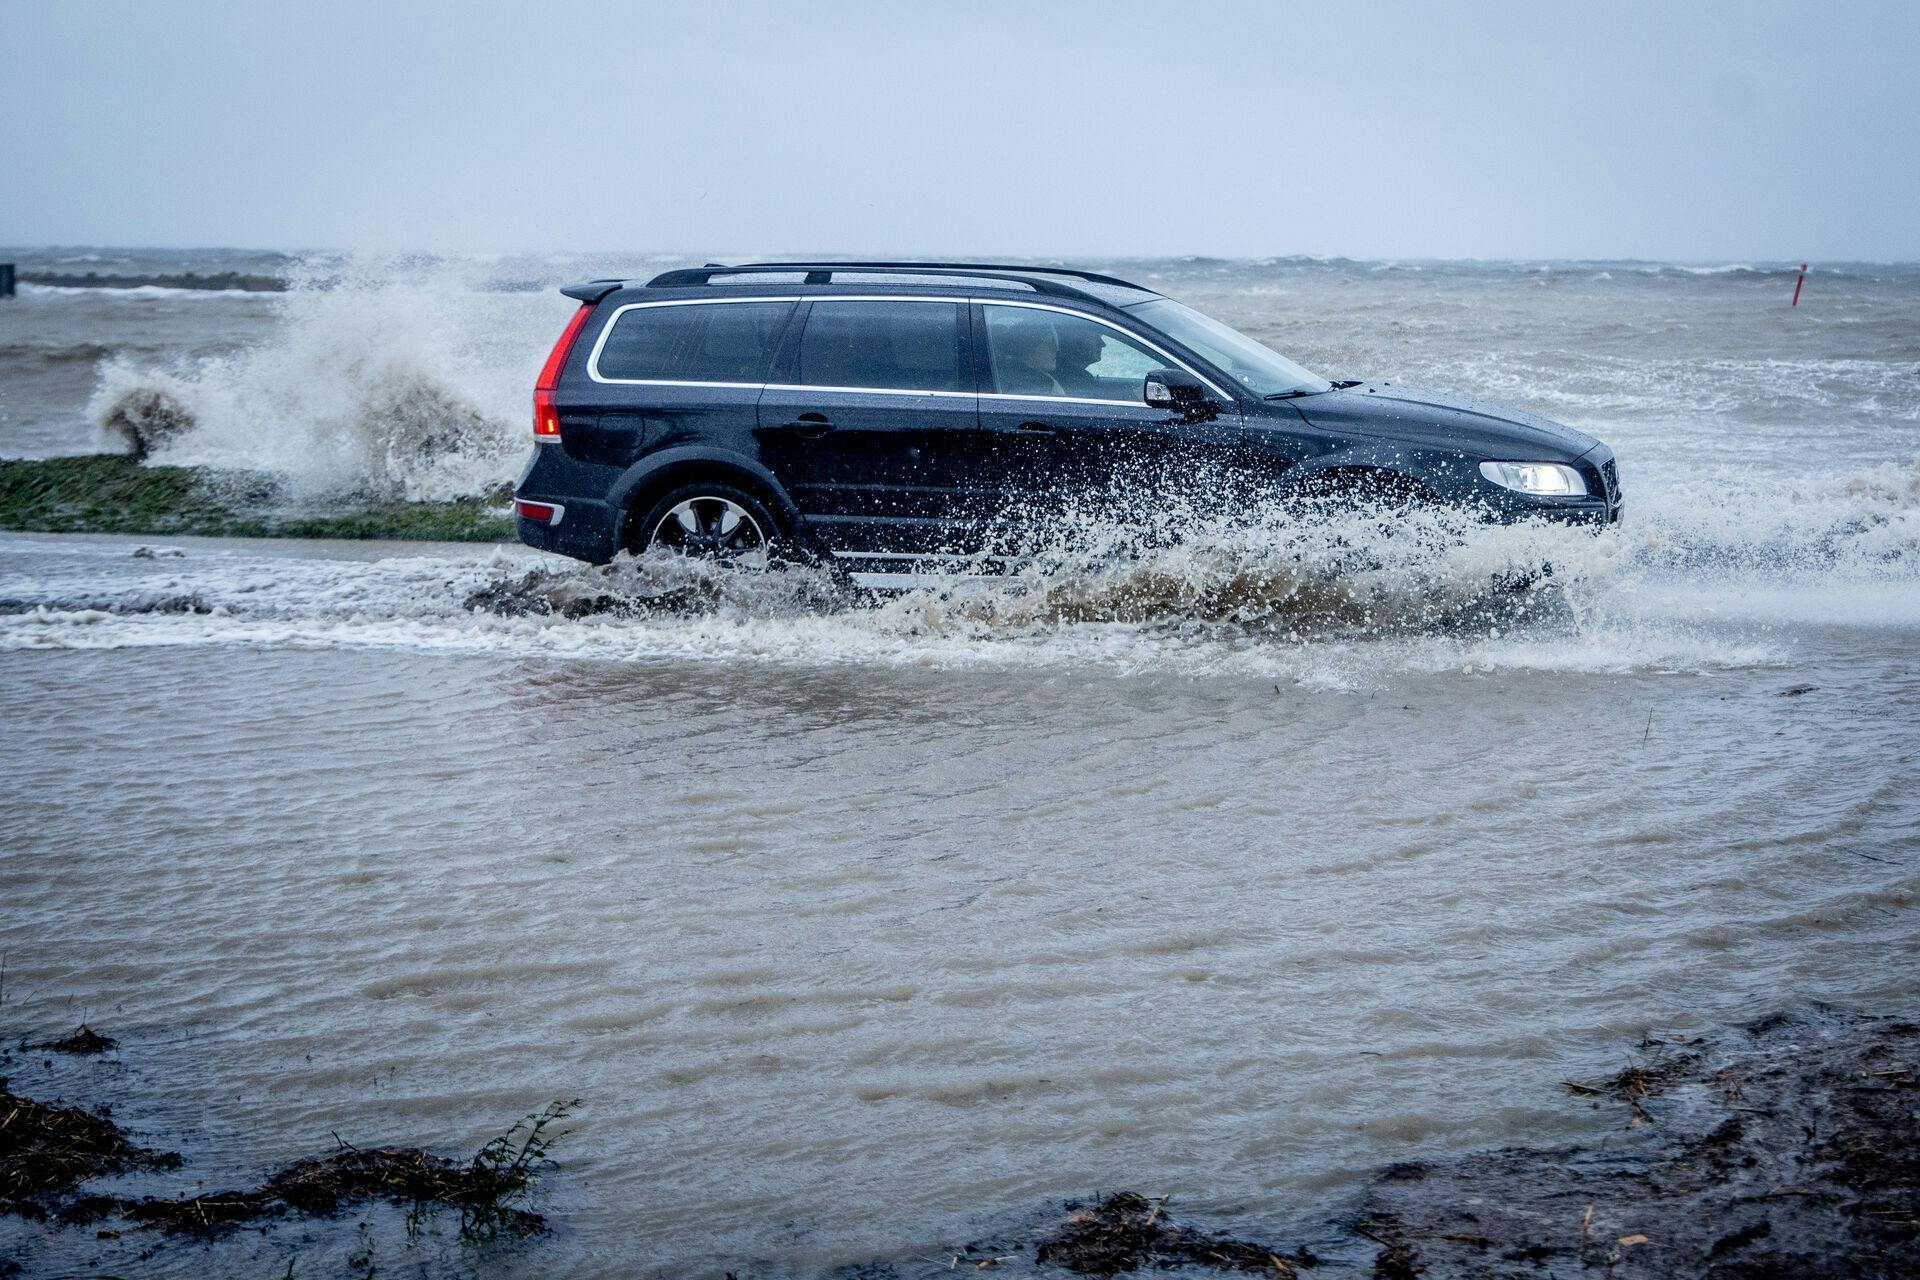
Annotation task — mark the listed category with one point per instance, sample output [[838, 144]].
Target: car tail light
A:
[[546, 418], [544, 512]]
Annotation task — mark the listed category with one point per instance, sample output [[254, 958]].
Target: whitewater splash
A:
[[385, 378], [1342, 600]]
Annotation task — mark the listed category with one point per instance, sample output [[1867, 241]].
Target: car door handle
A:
[[811, 426], [1037, 426]]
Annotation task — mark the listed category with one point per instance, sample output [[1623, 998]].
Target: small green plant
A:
[[505, 1171]]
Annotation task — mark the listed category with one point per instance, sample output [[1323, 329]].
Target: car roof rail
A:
[[823, 273]]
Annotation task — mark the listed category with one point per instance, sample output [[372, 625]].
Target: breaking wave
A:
[[386, 378], [130, 293], [1855, 525]]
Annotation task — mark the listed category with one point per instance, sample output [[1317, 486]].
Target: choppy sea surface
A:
[[864, 928]]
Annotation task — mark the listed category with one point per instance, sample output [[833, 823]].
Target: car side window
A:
[[1049, 353], [698, 342], [889, 346]]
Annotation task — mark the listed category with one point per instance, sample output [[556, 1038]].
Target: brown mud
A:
[[577, 593], [1790, 1147], [627, 588], [1786, 1148], [1128, 1232]]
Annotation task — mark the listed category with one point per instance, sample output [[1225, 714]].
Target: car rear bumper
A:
[[581, 533], [588, 528]]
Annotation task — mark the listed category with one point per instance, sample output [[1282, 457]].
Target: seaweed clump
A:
[[1633, 1085], [1126, 1231], [47, 1151], [83, 1040]]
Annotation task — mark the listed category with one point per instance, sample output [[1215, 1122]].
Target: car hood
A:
[[1437, 418]]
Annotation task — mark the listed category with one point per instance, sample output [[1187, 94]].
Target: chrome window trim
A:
[[1111, 404], [871, 391], [593, 360], [676, 382]]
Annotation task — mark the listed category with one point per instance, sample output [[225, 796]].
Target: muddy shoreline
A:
[[1787, 1147], [1790, 1146]]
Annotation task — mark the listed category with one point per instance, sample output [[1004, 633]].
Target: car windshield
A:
[[1260, 369]]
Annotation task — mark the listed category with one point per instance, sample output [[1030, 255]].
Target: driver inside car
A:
[[1080, 348], [1038, 359], [1027, 357]]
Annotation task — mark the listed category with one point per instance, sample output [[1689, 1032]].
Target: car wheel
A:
[[715, 522]]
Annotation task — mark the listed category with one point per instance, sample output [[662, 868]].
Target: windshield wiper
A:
[[1289, 395]]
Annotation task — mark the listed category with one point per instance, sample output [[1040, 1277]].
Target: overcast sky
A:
[[1694, 131]]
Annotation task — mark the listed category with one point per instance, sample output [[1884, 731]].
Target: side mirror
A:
[[1180, 392]]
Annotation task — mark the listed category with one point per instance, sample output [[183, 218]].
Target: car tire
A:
[[713, 521]]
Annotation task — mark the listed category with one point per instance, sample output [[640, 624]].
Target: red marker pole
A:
[[1796, 285]]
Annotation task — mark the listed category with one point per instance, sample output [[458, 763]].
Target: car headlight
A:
[[1550, 478]]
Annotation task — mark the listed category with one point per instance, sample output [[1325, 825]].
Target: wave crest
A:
[[390, 379]]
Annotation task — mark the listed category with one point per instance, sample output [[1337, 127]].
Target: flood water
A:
[[866, 929]]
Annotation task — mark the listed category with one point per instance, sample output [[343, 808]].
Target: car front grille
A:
[[1610, 477]]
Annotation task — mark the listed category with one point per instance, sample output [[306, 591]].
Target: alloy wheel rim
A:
[[713, 528]]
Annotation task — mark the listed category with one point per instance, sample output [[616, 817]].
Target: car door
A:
[[1062, 397], [869, 418]]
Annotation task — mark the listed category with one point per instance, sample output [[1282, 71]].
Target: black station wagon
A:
[[890, 416]]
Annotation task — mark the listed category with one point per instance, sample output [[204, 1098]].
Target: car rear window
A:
[[694, 342], [892, 345]]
